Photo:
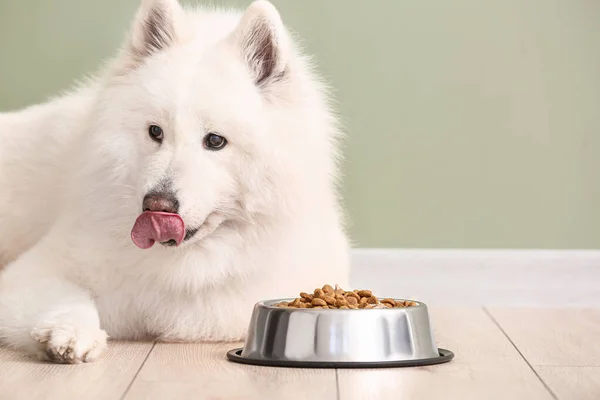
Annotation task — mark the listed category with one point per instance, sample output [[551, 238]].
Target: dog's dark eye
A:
[[156, 133], [212, 141]]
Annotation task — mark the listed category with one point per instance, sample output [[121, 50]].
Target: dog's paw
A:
[[68, 344]]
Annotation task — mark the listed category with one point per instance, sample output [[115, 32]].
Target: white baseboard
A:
[[537, 278]]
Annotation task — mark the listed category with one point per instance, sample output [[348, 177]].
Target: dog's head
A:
[[209, 111]]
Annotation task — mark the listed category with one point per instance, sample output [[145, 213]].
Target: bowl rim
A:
[[269, 304]]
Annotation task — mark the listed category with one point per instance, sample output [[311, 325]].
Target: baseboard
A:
[[537, 278]]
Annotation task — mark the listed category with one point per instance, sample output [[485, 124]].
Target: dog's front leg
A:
[[46, 315]]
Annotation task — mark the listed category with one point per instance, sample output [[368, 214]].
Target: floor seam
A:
[[520, 353], [138, 372], [337, 384]]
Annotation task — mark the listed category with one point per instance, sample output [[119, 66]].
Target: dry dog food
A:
[[338, 298]]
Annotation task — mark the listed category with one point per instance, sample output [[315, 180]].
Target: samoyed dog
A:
[[193, 176]]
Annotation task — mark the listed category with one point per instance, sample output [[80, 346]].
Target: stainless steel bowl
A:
[[364, 338]]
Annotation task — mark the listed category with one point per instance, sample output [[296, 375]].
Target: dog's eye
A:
[[156, 133], [212, 141]]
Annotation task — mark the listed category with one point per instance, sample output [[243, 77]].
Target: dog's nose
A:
[[164, 202]]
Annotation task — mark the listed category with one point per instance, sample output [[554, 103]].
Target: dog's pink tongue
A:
[[153, 226]]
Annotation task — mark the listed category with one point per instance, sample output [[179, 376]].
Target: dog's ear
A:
[[153, 27], [261, 38]]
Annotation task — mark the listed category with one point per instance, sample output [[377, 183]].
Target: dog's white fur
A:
[[74, 171]]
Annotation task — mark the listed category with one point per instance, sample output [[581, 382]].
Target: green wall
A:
[[471, 123]]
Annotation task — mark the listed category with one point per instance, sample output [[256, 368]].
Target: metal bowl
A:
[[333, 338]]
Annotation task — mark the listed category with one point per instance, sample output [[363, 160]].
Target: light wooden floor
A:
[[501, 353]]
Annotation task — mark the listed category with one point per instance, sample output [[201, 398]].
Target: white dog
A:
[[193, 177]]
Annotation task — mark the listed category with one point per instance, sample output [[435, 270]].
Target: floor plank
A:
[[581, 383], [185, 371], [486, 366], [106, 379], [559, 337], [559, 343]]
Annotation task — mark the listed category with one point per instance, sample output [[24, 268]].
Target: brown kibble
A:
[[328, 289], [341, 302], [352, 294], [306, 296], [318, 302], [388, 304], [331, 298]]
